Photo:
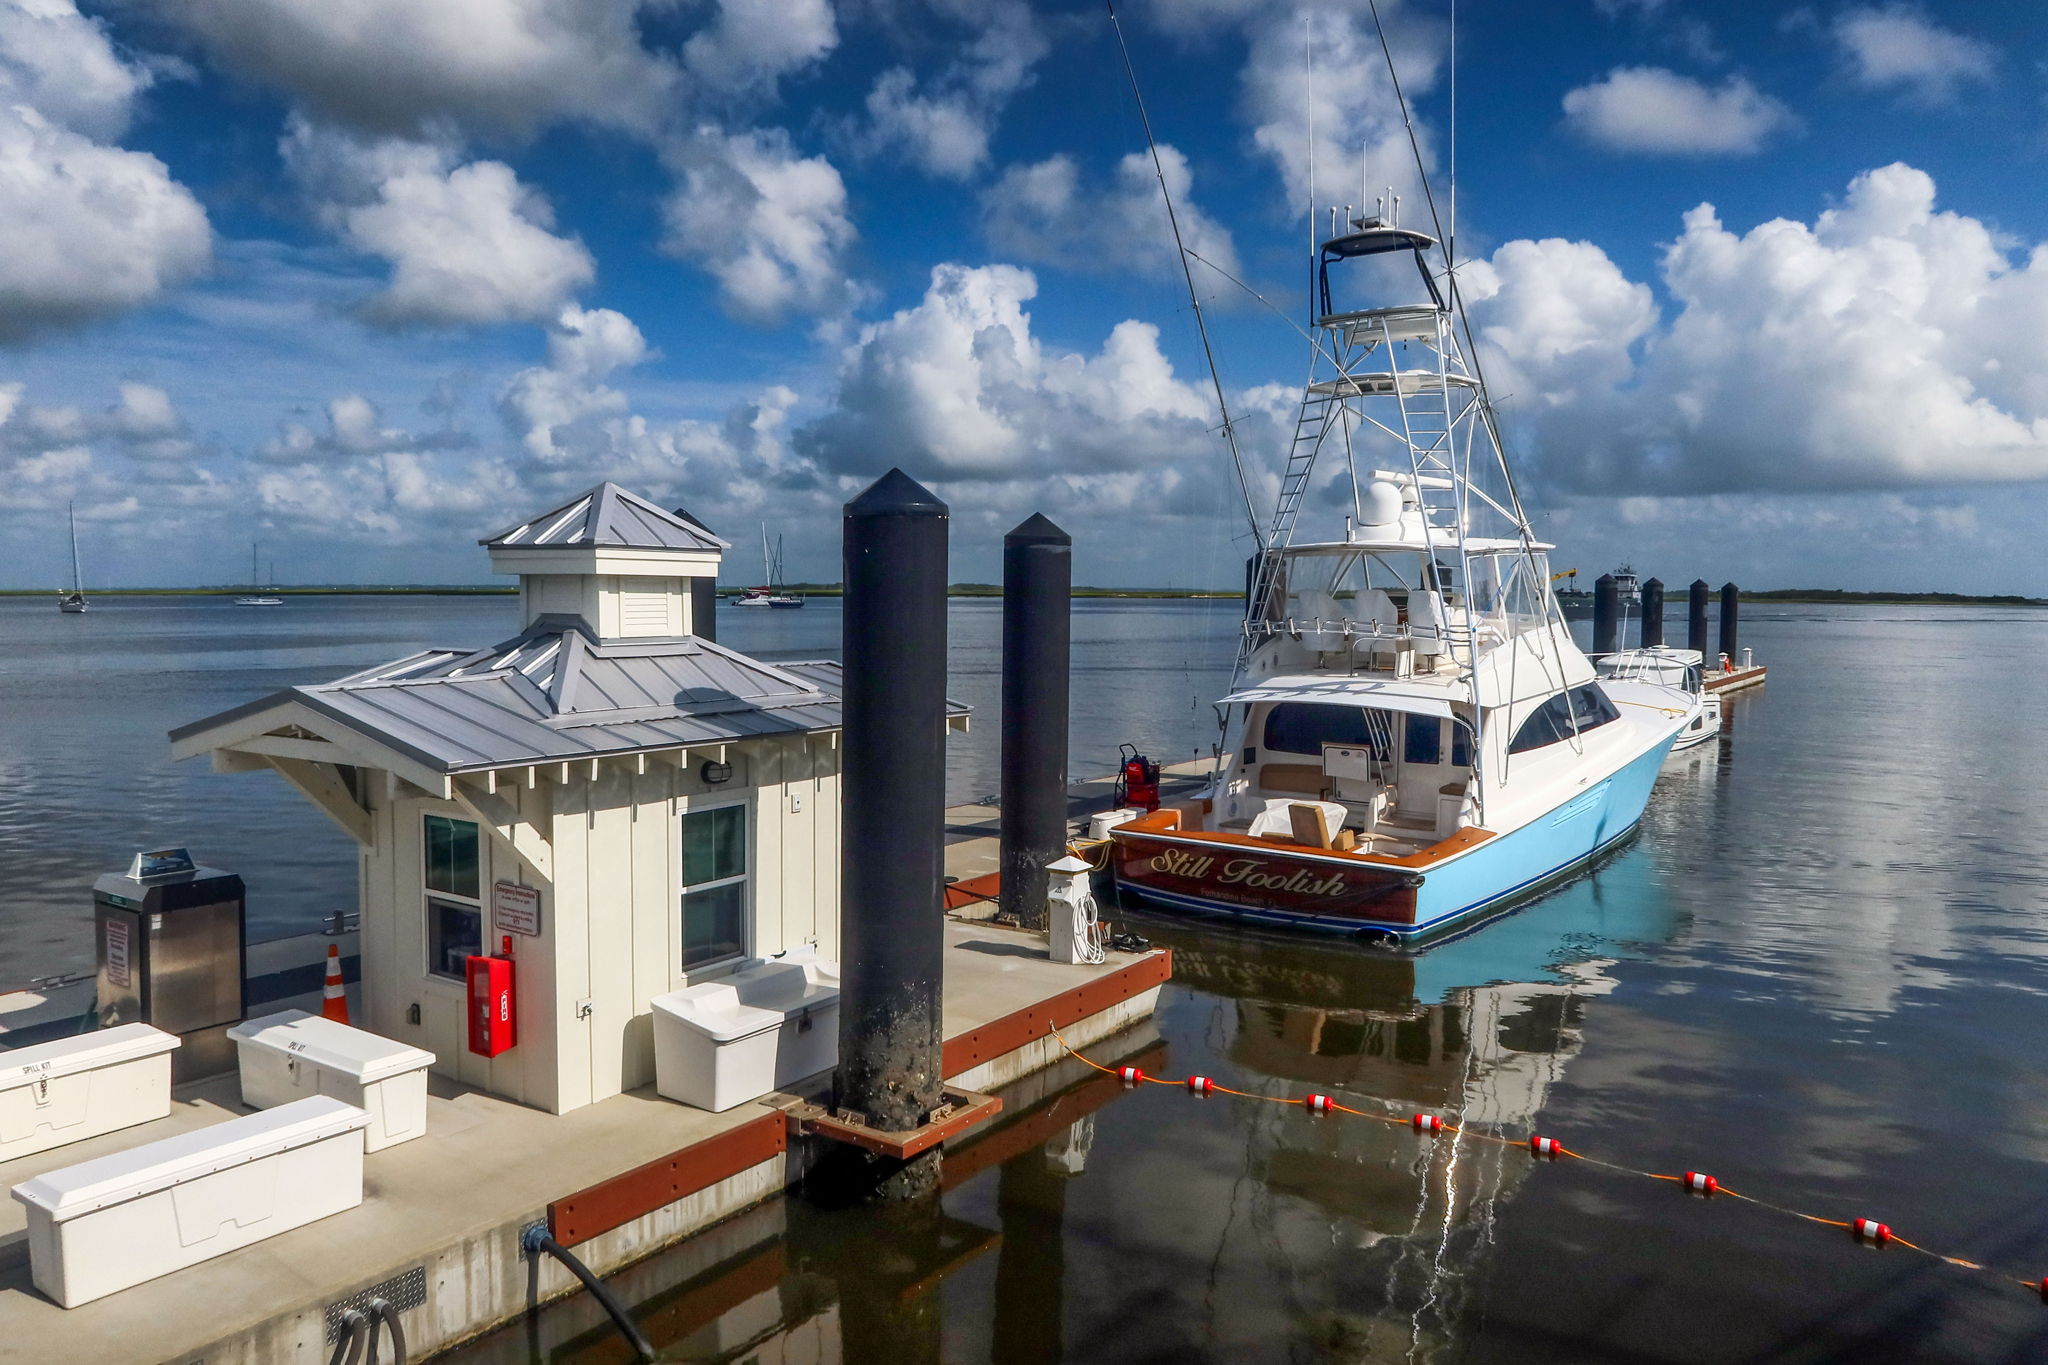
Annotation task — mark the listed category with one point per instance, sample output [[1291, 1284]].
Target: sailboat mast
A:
[[71, 516]]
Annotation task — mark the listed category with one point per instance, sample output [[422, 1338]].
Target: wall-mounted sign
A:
[[162, 862], [117, 953], [515, 909]]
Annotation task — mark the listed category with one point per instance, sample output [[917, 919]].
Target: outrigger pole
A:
[[1180, 250]]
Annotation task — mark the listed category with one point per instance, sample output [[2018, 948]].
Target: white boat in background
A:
[[1412, 738], [1647, 677], [257, 597], [771, 593], [73, 602]]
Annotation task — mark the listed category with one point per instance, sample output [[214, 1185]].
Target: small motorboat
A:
[[1648, 676]]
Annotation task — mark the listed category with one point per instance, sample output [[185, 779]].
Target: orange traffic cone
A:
[[334, 1000]]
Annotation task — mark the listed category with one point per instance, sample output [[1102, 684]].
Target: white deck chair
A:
[[1426, 624]]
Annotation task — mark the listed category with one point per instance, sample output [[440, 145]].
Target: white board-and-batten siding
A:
[[610, 919]]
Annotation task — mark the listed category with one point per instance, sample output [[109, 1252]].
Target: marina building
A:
[[629, 805]]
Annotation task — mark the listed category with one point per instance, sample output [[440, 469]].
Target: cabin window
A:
[[1461, 744], [1304, 727], [714, 912], [1567, 713], [1424, 741], [452, 871]]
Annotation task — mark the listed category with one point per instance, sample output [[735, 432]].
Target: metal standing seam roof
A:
[[606, 515], [554, 694]]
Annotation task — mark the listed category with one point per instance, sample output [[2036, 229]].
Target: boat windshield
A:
[[1504, 590]]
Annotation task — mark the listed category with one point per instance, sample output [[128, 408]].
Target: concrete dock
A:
[[439, 1226], [1734, 680]]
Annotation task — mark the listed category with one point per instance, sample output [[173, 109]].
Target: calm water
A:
[[1820, 974]]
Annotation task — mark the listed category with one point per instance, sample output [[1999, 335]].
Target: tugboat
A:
[[1412, 739], [73, 602]]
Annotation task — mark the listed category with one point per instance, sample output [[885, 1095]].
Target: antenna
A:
[[1308, 56], [1244, 487]]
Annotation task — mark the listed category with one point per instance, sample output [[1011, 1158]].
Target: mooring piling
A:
[[1606, 614], [893, 812], [1696, 618], [1038, 583], [1731, 612], [1653, 613]]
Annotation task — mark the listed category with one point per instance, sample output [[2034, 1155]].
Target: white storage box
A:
[[769, 1024], [76, 1088], [1102, 822], [291, 1055], [118, 1220]]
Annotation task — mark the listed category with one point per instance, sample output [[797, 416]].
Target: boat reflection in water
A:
[[1147, 1224]]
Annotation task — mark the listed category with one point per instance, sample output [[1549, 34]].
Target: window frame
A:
[[430, 894], [685, 808]]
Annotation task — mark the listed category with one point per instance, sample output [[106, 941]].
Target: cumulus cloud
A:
[[544, 402], [749, 45], [1043, 212], [1886, 344], [468, 244], [768, 223], [86, 230], [497, 67], [942, 124], [1897, 47], [355, 427], [958, 387], [1354, 105], [61, 64], [1652, 110]]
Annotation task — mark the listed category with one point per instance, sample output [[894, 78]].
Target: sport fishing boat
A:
[[1412, 738], [73, 602], [1664, 668]]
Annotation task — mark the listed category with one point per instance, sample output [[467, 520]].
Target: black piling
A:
[[892, 817], [1606, 614], [1653, 613], [1696, 618], [1038, 587], [1731, 614]]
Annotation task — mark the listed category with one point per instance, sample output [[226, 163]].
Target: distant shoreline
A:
[[1787, 596]]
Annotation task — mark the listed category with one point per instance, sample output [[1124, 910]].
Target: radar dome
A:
[[1379, 504]]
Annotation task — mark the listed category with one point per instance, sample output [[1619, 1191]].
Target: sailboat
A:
[[257, 597], [73, 602], [771, 593], [1412, 740]]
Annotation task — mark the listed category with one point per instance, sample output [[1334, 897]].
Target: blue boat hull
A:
[[1488, 878]]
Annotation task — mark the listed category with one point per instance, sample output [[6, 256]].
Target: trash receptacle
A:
[[769, 1024]]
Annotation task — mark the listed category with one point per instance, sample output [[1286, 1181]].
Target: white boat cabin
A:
[[634, 806]]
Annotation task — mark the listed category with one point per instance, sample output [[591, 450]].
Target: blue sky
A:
[[366, 279]]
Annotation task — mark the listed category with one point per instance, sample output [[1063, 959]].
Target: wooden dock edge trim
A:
[[965, 1051], [634, 1194], [1014, 1139], [970, 1109]]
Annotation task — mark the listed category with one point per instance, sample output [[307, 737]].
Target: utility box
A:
[[767, 1025], [169, 942], [118, 1220], [292, 1055], [54, 1094]]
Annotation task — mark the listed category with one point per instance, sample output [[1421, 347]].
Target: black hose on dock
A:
[[536, 1240], [348, 1347], [385, 1313]]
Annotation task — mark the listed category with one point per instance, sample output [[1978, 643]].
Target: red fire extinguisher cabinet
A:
[[492, 1019]]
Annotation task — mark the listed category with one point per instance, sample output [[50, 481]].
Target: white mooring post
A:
[[1076, 933]]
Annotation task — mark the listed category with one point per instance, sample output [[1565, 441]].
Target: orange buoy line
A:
[[1866, 1231]]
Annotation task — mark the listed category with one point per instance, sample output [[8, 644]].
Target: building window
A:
[[714, 911], [454, 932], [453, 873]]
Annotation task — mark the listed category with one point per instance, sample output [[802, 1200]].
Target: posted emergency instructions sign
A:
[[515, 909]]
